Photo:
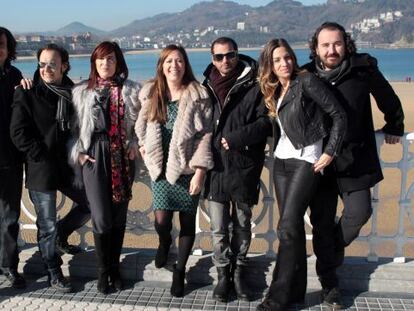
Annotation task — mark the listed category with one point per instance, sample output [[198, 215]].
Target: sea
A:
[[395, 64]]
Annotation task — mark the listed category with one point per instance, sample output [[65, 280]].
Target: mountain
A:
[[283, 18], [78, 28]]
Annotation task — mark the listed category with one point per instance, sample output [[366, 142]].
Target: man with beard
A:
[[353, 77]]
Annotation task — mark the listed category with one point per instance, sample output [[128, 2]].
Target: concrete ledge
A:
[[138, 264]]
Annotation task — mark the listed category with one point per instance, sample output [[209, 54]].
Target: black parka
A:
[[242, 122], [9, 78], [357, 166], [35, 133]]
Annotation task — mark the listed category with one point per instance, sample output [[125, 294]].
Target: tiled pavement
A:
[[155, 296]]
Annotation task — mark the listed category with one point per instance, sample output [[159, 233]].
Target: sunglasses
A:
[[220, 57], [52, 66]]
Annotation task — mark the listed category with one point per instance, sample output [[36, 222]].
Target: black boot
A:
[[177, 286], [332, 297], [240, 283], [102, 254], [222, 290], [117, 239]]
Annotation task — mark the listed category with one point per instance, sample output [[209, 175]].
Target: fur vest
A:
[[84, 101], [190, 145]]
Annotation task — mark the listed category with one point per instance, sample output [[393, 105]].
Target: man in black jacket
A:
[[11, 165], [353, 77], [40, 129], [232, 186]]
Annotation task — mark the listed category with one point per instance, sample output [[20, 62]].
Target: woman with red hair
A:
[[106, 110]]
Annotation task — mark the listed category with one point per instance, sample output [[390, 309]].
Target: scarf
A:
[[332, 75], [64, 94], [120, 170], [222, 85]]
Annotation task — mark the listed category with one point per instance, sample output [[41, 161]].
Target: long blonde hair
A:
[[158, 91], [269, 82]]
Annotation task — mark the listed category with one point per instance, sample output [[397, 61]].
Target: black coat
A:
[[9, 79], [35, 133], [242, 122], [357, 166], [304, 113]]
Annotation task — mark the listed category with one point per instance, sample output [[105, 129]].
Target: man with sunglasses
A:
[[232, 186], [40, 129], [11, 165]]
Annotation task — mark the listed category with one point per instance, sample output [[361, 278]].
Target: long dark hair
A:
[[11, 46], [158, 91], [269, 82], [101, 50], [349, 42]]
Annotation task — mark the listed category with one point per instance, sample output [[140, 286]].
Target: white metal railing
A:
[[140, 221]]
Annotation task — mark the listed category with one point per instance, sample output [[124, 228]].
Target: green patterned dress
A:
[[166, 196]]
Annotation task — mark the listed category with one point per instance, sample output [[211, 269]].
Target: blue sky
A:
[[45, 15]]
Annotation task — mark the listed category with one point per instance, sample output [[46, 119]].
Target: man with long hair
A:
[[11, 164], [353, 77]]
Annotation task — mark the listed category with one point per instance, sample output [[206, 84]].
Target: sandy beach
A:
[[388, 216]]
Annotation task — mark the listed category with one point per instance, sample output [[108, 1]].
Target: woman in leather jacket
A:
[[307, 123]]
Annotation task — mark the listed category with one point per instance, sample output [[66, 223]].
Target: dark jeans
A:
[[45, 205], [11, 180], [221, 216], [330, 238], [295, 184]]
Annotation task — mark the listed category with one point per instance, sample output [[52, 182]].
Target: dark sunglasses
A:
[[52, 66], [220, 57]]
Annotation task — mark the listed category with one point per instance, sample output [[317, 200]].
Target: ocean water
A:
[[395, 64]]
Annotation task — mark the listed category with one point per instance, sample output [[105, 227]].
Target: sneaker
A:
[[332, 298], [64, 247], [59, 283], [15, 279]]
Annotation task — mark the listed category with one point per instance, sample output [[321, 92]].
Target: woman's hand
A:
[[322, 162], [142, 151], [196, 183], [132, 152], [83, 157]]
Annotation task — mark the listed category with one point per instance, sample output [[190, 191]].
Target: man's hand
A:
[[224, 143], [392, 139], [26, 84]]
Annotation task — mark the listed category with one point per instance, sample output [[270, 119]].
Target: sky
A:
[[50, 15]]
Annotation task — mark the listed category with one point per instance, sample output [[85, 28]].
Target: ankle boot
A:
[[222, 289], [102, 255], [117, 239], [240, 283], [177, 286]]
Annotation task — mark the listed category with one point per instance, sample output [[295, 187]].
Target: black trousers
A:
[[295, 183], [11, 180], [78, 216], [330, 238]]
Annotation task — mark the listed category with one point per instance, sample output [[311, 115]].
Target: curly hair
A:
[[349, 42], [269, 83]]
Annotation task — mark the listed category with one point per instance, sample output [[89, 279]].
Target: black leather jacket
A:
[[309, 112]]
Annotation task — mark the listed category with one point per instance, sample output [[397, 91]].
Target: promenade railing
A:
[[392, 222]]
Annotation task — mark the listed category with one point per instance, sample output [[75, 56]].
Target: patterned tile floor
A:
[[156, 296]]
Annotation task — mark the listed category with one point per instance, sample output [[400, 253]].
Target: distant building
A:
[[241, 26]]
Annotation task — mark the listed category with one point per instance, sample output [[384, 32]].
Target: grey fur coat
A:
[[190, 145], [84, 101]]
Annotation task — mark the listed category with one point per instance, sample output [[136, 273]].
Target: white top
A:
[[286, 150]]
